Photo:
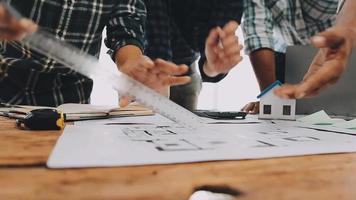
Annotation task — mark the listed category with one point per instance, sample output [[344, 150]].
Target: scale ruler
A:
[[89, 66]]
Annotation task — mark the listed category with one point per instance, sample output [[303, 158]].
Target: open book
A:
[[75, 112]]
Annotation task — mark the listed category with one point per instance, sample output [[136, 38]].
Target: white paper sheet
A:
[[97, 145], [136, 120], [71, 108]]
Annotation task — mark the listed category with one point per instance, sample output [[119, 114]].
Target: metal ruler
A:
[[89, 66]]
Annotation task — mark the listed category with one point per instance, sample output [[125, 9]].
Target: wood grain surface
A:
[[23, 147]]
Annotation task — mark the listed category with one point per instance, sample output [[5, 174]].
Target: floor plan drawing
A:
[[131, 145], [168, 138]]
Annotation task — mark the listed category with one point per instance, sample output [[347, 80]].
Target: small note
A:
[[318, 118], [347, 124]]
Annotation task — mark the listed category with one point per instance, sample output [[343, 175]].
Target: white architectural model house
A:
[[273, 107]]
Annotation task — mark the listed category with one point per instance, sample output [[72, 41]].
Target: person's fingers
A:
[[286, 91], [16, 31], [316, 64], [256, 108], [138, 68], [125, 101], [221, 54], [231, 27], [3, 12], [28, 25], [171, 68], [233, 54], [229, 62], [213, 38], [228, 39], [141, 77], [221, 33], [135, 71], [311, 86], [18, 28], [146, 62], [174, 81], [326, 69], [231, 45], [9, 34], [233, 61], [330, 38], [157, 80], [323, 77], [235, 57], [249, 107]]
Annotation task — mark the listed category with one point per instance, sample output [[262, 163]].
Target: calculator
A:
[[220, 114]]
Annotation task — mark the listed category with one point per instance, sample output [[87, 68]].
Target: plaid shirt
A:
[[27, 77], [177, 29], [266, 22]]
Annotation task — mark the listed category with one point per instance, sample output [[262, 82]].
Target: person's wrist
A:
[[349, 34], [127, 54], [209, 70]]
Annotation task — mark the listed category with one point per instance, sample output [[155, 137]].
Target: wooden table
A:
[[23, 175]]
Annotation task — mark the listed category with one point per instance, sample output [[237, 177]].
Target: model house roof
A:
[[273, 85]]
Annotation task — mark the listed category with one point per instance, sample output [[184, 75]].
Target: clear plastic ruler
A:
[[89, 66]]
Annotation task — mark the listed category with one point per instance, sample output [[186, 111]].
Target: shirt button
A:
[[60, 34]]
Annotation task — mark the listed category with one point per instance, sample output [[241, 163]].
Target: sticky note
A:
[[318, 118], [347, 124]]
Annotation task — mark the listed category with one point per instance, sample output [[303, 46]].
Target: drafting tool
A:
[[89, 66]]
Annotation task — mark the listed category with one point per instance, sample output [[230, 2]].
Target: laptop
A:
[[337, 100]]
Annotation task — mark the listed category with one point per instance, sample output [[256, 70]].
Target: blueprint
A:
[[103, 145]]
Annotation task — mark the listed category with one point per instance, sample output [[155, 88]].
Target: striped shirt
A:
[[27, 77], [276, 24]]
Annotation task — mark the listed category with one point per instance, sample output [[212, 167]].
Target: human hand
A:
[[12, 28], [222, 50], [158, 75], [335, 46], [252, 108]]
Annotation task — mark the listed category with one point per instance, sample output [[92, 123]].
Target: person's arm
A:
[[335, 46], [12, 28], [126, 26], [258, 31], [263, 62], [221, 51], [125, 35]]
